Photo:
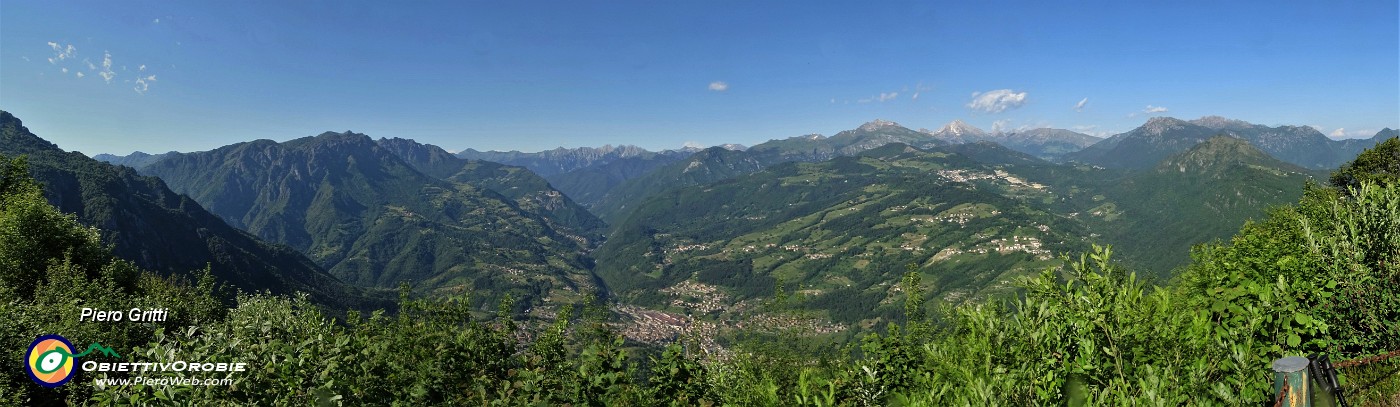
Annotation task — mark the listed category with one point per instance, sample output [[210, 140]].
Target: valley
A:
[[702, 242]]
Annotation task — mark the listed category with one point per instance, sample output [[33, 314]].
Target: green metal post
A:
[[1294, 370]]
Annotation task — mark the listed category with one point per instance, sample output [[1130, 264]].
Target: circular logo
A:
[[50, 360]]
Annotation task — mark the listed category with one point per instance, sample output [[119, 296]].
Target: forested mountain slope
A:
[[968, 217], [160, 230], [372, 219]]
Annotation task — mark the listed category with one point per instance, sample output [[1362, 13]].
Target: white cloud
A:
[[833, 101], [143, 68], [91, 67], [1001, 125], [915, 97], [26, 59], [1079, 107], [1149, 110], [719, 86], [156, 21], [996, 101], [143, 84], [107, 73], [692, 144], [61, 52], [80, 75], [65, 70], [1359, 133]]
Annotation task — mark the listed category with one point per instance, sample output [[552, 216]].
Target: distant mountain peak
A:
[[413, 152], [1164, 120], [1218, 122], [960, 128], [331, 139], [343, 134], [1161, 124], [878, 124], [1220, 153]]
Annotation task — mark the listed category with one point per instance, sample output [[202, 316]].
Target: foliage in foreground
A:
[[1319, 276]]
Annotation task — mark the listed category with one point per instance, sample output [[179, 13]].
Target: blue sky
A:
[[536, 75]]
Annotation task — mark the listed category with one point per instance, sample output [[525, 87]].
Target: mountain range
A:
[[1163, 136], [587, 174], [840, 231], [371, 217], [1045, 143], [712, 232], [136, 159], [157, 229], [971, 217]]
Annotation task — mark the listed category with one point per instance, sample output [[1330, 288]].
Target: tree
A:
[[1380, 164]]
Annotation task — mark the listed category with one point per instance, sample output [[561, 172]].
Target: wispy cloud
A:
[[107, 73], [719, 86], [1079, 107], [65, 52], [1149, 110], [26, 59], [156, 21], [692, 144], [1358, 133], [882, 97], [61, 52], [996, 101], [1001, 125], [143, 83], [920, 89]]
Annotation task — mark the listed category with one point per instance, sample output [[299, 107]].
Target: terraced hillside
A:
[[840, 232], [834, 237]]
